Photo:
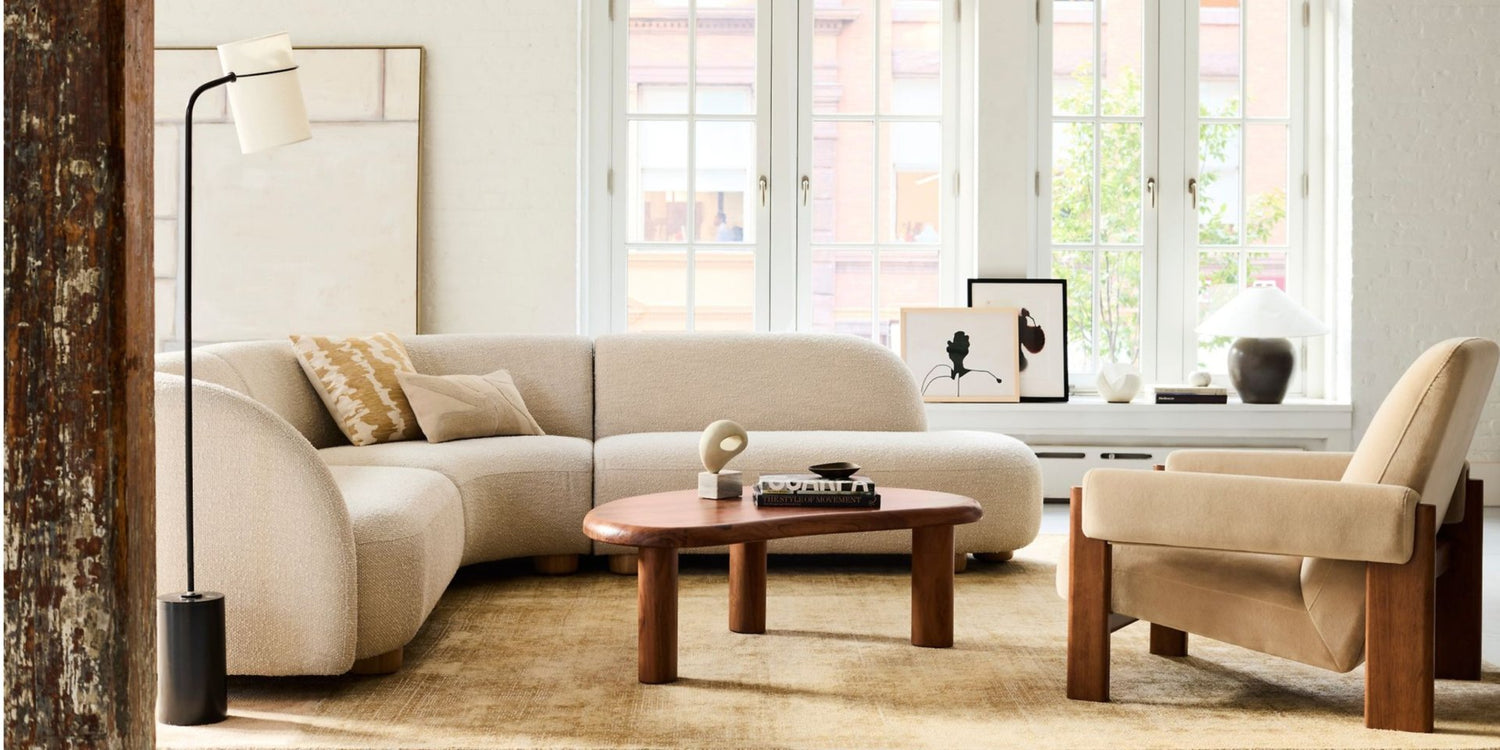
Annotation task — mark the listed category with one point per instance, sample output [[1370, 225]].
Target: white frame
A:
[[1171, 261]]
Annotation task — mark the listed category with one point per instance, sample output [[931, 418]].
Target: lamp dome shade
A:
[[1262, 312], [268, 109]]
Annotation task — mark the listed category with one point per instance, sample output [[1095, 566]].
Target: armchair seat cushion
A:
[[522, 495], [408, 538], [1000, 472]]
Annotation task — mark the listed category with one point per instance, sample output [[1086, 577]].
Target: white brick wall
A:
[[1425, 211], [500, 143]]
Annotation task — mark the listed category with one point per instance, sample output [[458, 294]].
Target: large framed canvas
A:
[[1041, 326], [962, 354], [317, 237]]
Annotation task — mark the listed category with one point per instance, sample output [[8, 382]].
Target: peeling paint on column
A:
[[79, 484]]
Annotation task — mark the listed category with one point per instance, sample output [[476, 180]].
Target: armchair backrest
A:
[[1420, 436]]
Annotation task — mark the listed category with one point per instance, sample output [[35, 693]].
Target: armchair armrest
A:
[[1288, 464], [1235, 513], [272, 532]]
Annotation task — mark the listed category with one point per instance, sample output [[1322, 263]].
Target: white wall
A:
[[1425, 195], [1005, 55], [499, 142]]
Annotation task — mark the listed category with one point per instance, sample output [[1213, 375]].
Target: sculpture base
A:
[[725, 485]]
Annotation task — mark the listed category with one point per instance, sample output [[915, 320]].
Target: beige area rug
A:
[[510, 659]]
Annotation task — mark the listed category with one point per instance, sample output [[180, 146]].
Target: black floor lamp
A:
[[192, 686]]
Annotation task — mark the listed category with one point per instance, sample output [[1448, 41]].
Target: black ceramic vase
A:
[[1261, 369]]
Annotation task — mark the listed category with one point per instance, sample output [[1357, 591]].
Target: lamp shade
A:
[[1262, 312], [268, 109]]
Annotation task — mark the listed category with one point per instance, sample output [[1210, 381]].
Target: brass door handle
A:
[[806, 188], [1193, 191], [765, 186]]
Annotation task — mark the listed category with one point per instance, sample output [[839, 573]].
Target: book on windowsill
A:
[[812, 484], [816, 500], [1191, 394]]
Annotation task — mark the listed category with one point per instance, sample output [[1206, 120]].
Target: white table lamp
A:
[[1262, 358]]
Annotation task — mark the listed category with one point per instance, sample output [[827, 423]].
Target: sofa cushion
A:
[[408, 539], [556, 373], [356, 378], [458, 407], [522, 495], [998, 471]]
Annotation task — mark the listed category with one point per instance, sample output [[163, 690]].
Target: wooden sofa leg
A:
[[1167, 641], [960, 562], [1088, 609], [555, 565], [994, 557], [1399, 631], [1460, 591], [625, 565], [386, 663]]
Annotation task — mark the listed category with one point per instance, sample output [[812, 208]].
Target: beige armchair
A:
[[1326, 559]]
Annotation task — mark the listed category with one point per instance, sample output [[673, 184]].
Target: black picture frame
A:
[[1061, 286]]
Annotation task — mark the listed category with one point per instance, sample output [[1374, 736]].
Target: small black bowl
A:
[[837, 470]]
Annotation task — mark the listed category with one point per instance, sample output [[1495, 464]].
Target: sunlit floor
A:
[[1055, 521]]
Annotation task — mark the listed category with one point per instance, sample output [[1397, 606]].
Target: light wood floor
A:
[[1055, 521]]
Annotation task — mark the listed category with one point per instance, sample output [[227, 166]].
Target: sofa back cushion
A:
[[554, 374], [764, 381]]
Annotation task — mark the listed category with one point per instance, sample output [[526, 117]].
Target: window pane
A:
[[1266, 269], [1218, 282], [726, 57], [1120, 183], [656, 289], [908, 278], [1266, 176], [843, 180], [1267, 29], [656, 66], [1077, 266], [1219, 184], [841, 291], [727, 195], [1073, 57], [1219, 58], [911, 57], [1072, 182], [723, 290], [843, 64], [1121, 32], [658, 182], [1119, 306], [910, 200]]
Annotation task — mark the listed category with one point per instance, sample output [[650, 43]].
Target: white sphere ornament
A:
[[1118, 383], [1200, 378]]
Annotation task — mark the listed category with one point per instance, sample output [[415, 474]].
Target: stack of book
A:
[[813, 491], [1191, 394]]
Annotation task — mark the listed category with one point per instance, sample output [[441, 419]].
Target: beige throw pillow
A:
[[356, 377], [454, 407]]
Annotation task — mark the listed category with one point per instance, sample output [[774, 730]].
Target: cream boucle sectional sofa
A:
[[330, 553]]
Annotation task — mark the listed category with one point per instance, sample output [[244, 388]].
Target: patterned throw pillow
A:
[[454, 407], [357, 379]]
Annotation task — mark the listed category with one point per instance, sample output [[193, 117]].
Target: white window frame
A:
[[784, 267], [1168, 343]]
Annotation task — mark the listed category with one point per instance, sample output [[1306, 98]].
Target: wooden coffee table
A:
[[661, 524]]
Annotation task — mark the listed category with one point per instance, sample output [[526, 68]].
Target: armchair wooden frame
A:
[[1422, 617]]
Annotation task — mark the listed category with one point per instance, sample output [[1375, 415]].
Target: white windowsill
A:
[[1313, 424]]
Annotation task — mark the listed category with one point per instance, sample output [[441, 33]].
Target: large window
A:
[[1175, 134], [781, 164]]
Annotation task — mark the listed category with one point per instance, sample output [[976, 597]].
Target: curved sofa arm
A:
[[1234, 513], [272, 532], [1327, 466]]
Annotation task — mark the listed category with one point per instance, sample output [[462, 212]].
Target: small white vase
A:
[[1118, 383]]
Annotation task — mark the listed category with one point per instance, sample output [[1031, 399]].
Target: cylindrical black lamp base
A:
[[1261, 369], [192, 687]]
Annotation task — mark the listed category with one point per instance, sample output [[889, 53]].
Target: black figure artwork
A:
[[958, 349], [1033, 339]]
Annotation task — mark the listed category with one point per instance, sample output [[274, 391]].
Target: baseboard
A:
[[1489, 473]]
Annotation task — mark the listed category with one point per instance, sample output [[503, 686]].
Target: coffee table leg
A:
[[656, 613], [747, 587], [932, 586]]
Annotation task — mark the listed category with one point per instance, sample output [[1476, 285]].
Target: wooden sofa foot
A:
[[625, 565], [994, 557], [1399, 634], [960, 562], [386, 663], [1088, 610], [555, 565], [1167, 641]]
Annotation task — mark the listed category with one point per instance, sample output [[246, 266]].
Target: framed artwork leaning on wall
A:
[[962, 354], [1041, 330]]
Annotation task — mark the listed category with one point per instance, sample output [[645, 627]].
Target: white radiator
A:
[[1063, 466]]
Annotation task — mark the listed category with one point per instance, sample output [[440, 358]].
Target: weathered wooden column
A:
[[79, 476]]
